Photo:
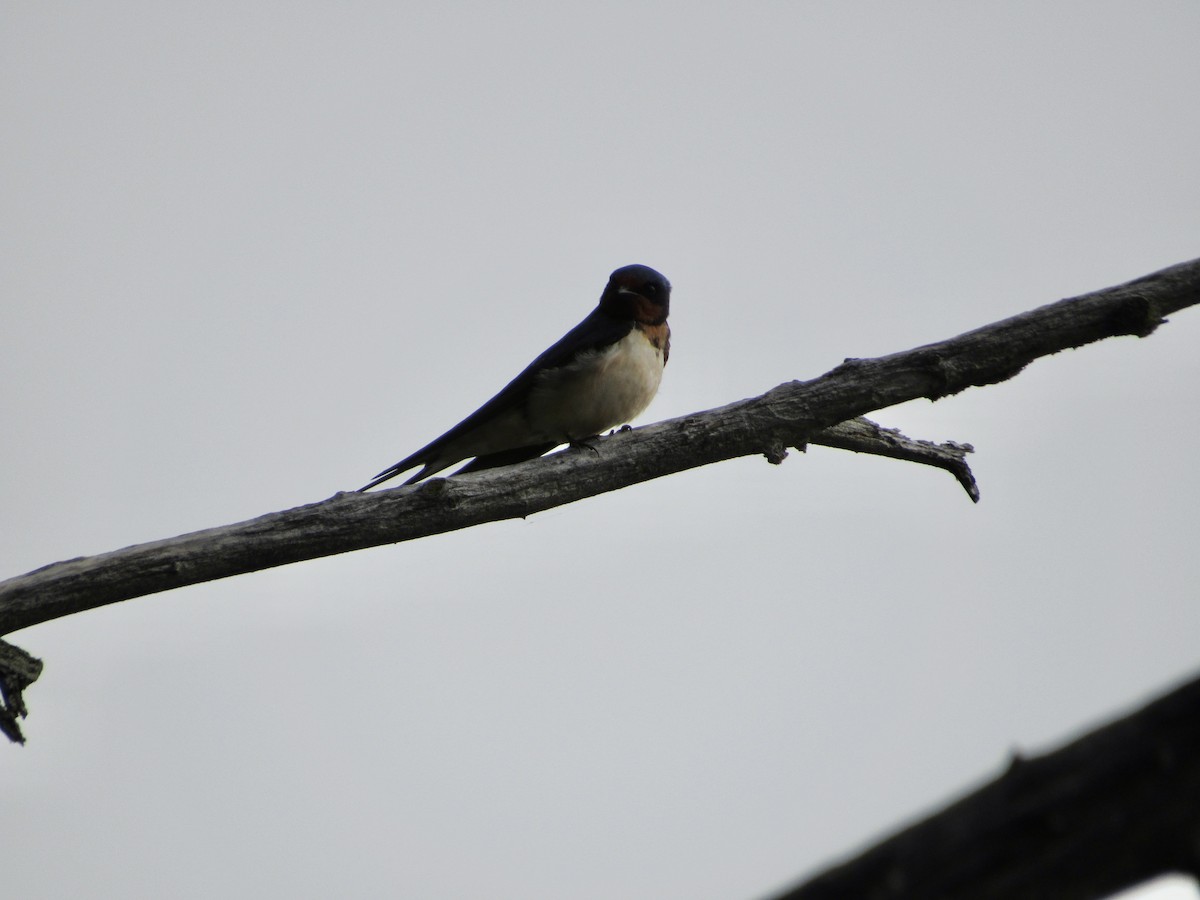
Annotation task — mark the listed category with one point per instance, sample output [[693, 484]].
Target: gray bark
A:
[[823, 410]]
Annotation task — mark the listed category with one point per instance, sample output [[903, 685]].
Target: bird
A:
[[600, 374]]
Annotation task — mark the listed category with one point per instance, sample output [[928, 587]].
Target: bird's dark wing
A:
[[597, 331], [506, 457]]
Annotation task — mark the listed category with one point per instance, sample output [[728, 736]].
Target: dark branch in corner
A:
[[790, 415], [1115, 808]]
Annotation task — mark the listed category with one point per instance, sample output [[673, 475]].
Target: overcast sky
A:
[[256, 252]]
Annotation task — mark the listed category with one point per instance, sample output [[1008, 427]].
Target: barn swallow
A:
[[601, 374]]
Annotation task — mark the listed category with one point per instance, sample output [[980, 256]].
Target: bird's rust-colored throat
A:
[[647, 312], [659, 336]]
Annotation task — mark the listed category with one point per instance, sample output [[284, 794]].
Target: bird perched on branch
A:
[[601, 374]]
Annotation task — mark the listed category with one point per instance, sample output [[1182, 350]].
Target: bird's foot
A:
[[588, 443]]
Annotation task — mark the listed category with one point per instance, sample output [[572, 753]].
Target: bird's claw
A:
[[588, 443]]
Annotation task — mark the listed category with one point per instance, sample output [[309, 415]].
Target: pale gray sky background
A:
[[255, 252]]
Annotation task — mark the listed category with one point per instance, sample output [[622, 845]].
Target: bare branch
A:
[[1115, 808], [354, 521], [790, 415], [864, 436]]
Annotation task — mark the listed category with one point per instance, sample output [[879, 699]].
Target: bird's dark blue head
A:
[[639, 293]]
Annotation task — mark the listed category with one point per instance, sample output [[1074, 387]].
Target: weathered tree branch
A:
[[1114, 808], [864, 436], [790, 415], [353, 521]]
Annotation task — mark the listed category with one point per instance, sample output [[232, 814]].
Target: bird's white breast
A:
[[598, 391]]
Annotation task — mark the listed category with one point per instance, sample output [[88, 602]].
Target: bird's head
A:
[[639, 293]]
